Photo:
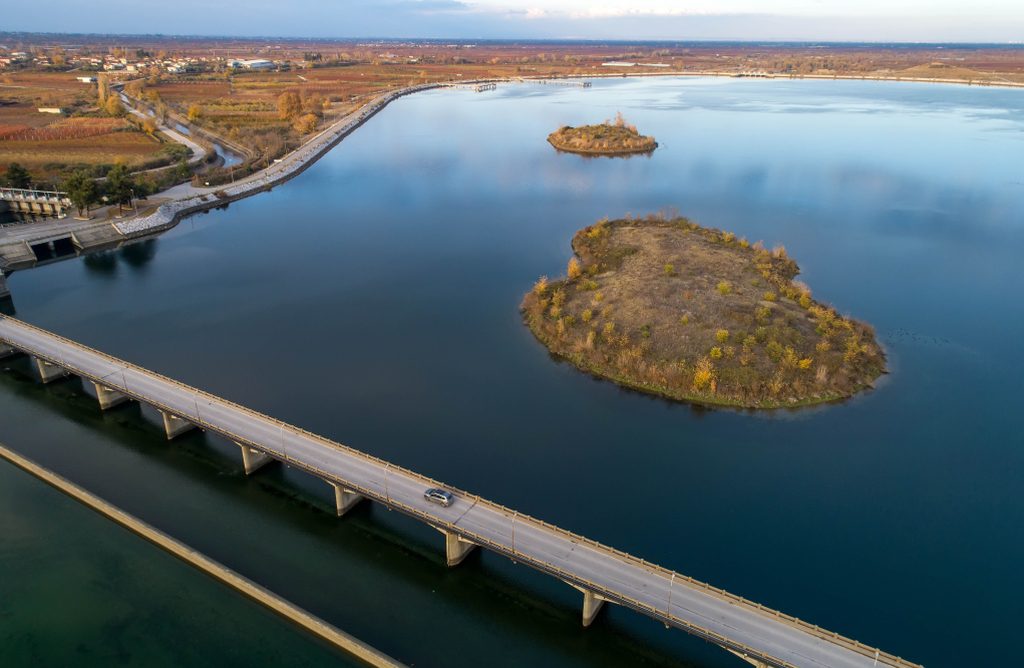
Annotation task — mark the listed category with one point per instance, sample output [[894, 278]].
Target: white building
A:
[[257, 64]]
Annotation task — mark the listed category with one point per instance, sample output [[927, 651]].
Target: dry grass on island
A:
[[668, 307], [609, 138]]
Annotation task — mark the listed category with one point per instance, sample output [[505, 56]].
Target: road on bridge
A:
[[727, 620]]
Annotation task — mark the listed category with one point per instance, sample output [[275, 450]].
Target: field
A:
[[49, 145]]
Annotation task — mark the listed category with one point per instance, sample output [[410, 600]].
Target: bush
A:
[[703, 375], [716, 353], [670, 270], [722, 335], [724, 287], [541, 286], [587, 315], [574, 270], [770, 296]]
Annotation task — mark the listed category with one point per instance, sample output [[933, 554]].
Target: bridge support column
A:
[[107, 397], [4, 291], [253, 459], [344, 499], [456, 547], [48, 371], [174, 425], [592, 604]]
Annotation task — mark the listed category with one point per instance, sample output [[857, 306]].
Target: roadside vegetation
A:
[[668, 307], [609, 138]]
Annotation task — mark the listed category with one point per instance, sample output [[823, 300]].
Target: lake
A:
[[373, 299]]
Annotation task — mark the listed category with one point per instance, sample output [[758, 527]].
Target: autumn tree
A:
[[288, 106], [314, 104], [305, 123], [113, 106], [195, 112], [149, 126], [102, 90]]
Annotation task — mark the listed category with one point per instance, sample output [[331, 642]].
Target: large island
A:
[[665, 306]]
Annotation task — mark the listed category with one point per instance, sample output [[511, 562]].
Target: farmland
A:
[[50, 145]]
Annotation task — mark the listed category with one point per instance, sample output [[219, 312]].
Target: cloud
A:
[[813, 20]]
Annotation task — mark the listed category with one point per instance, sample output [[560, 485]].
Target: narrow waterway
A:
[[373, 299]]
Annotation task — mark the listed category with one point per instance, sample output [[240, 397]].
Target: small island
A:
[[609, 138], [665, 306]]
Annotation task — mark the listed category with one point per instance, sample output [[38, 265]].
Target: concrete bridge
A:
[[35, 202], [602, 574]]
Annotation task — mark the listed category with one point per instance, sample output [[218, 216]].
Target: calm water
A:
[[374, 300]]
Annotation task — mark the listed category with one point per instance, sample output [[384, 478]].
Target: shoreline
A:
[[349, 644], [185, 200]]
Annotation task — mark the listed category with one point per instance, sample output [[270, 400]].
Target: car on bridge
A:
[[439, 496]]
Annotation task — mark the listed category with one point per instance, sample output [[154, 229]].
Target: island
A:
[[609, 138], [665, 306]]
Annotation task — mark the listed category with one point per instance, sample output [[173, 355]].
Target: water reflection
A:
[[139, 254]]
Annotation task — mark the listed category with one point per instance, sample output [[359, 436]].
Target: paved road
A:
[[657, 592]]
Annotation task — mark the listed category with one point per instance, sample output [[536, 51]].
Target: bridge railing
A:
[[885, 658]]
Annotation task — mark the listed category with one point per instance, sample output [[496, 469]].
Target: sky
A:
[[813, 20]]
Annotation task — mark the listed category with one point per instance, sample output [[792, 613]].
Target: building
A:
[[257, 64]]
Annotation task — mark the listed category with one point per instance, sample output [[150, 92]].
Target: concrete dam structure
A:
[[34, 202], [602, 574]]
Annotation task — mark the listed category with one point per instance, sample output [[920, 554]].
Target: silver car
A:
[[439, 496]]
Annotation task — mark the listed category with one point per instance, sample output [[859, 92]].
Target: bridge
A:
[[761, 636], [36, 202]]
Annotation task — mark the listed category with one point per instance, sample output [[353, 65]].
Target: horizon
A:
[[872, 21], [25, 34]]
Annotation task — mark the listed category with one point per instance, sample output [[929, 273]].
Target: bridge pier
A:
[[592, 604], [4, 290], [253, 459], [107, 397], [48, 371], [344, 499], [174, 425], [456, 547]]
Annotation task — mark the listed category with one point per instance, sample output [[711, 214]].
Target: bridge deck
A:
[[672, 598]]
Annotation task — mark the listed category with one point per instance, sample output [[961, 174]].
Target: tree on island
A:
[[81, 190], [18, 176]]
